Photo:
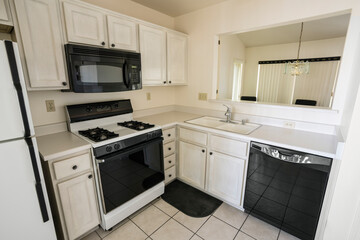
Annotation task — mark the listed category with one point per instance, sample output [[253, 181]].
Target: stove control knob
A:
[[108, 148], [116, 146]]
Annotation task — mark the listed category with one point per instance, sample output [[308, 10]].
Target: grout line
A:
[[225, 222], [159, 227], [203, 225], [139, 228], [278, 234]]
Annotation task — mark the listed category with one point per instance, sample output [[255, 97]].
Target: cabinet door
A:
[[42, 42], [153, 55], [225, 177], [5, 16], [78, 202], [176, 59], [84, 25], [192, 161], [122, 34]]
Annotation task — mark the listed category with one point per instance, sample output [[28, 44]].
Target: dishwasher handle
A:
[[290, 155]]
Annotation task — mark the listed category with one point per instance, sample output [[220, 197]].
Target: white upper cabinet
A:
[[5, 16], [153, 55], [123, 34], [85, 25], [42, 43], [177, 58]]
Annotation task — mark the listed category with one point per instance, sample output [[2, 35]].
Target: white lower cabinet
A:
[[225, 176], [71, 186], [213, 163], [79, 204], [192, 164]]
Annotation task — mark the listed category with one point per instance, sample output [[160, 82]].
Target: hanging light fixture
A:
[[298, 67]]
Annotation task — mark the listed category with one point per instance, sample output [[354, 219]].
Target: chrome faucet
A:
[[227, 114]]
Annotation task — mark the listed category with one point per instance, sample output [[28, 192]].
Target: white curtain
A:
[[318, 84], [273, 85]]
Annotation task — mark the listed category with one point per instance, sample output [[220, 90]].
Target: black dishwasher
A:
[[286, 188]]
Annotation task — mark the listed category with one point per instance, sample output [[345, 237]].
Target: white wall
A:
[[160, 96], [310, 49], [244, 15], [231, 48], [236, 16]]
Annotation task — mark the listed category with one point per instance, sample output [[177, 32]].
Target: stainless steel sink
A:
[[217, 123]]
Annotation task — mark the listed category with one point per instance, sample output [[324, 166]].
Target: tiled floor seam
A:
[[203, 225], [139, 228], [172, 217], [226, 222]]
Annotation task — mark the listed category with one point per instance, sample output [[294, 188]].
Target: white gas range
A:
[[128, 157]]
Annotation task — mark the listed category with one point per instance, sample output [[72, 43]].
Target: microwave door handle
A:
[[126, 75]]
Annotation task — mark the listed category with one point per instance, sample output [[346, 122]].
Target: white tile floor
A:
[[161, 221]]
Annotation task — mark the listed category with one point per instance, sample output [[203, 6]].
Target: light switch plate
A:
[[202, 96], [50, 105], [148, 96]]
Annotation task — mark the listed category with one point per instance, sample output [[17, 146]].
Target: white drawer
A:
[[72, 166], [193, 136], [170, 174], [169, 134], [169, 161], [228, 146], [169, 148]]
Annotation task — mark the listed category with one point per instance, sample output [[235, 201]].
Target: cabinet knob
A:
[[103, 43], [90, 176], [169, 135], [164, 82], [169, 81], [203, 150], [169, 161], [64, 83], [210, 153], [74, 167], [112, 45], [169, 149], [170, 175]]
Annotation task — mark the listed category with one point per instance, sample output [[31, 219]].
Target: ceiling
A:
[[176, 8], [324, 28]]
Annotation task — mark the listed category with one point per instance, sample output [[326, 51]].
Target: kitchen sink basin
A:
[[217, 123]]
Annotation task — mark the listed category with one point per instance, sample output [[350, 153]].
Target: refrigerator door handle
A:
[[16, 80], [38, 186]]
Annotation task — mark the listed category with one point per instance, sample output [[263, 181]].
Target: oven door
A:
[[99, 74], [126, 174]]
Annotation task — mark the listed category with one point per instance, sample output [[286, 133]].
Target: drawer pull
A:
[[169, 161], [90, 176], [210, 153], [169, 135], [169, 148], [203, 150], [74, 167], [170, 175]]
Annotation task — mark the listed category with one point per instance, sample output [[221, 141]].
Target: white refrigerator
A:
[[24, 206]]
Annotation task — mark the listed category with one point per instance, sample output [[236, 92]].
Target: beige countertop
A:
[[315, 143], [167, 119], [57, 145]]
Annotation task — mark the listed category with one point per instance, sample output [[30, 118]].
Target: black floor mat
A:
[[189, 200]]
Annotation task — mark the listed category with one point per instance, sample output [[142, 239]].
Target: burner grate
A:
[[136, 125], [98, 134]]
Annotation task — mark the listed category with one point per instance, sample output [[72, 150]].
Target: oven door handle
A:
[[100, 161]]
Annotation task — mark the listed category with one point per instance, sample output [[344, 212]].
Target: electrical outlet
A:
[[202, 96], [50, 105], [289, 124], [148, 96]]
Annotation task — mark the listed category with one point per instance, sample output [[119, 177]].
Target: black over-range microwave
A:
[[93, 70]]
